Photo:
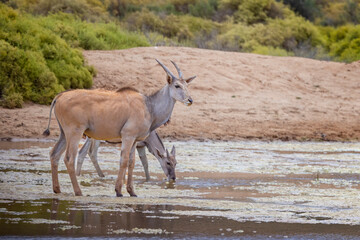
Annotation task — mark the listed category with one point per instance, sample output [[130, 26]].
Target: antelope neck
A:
[[160, 105]]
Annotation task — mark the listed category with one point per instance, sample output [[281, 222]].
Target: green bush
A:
[[41, 56], [182, 6], [339, 13], [90, 10], [158, 8], [266, 50], [101, 36], [144, 21], [232, 5], [309, 9], [12, 100], [24, 75], [293, 31], [203, 8], [254, 11], [181, 28], [233, 36], [157, 39], [343, 43], [277, 33], [27, 56]]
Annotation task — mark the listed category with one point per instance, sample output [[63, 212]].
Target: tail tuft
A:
[[46, 133]]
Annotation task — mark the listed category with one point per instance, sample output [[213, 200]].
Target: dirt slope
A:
[[236, 95]]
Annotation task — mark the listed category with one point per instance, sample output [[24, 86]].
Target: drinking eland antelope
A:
[[107, 115], [153, 143]]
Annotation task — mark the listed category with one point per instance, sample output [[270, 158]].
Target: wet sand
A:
[[232, 190]]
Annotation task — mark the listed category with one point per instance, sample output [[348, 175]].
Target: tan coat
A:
[[125, 115]]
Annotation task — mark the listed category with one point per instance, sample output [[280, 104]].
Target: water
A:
[[230, 190]]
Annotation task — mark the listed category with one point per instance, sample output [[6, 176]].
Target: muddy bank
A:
[[236, 95]]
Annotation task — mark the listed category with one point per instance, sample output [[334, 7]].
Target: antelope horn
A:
[[178, 70], [166, 70]]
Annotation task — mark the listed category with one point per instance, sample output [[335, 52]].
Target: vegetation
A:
[[41, 40], [41, 56], [343, 43]]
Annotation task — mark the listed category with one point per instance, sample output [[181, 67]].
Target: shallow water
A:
[[248, 189]]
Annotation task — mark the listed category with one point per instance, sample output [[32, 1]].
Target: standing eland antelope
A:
[[108, 115], [152, 142]]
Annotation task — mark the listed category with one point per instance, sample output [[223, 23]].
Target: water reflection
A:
[[170, 185], [54, 217], [58, 217]]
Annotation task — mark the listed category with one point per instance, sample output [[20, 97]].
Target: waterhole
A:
[[232, 190]]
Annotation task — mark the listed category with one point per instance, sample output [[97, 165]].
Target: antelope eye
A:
[[177, 86], [168, 163]]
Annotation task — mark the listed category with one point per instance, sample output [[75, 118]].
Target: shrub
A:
[[181, 28], [266, 50], [253, 11], [233, 36], [24, 75], [196, 24], [157, 39], [41, 56], [339, 13], [292, 31], [309, 9], [101, 36], [120, 8], [333, 14], [162, 8], [203, 8], [232, 5], [30, 57], [343, 43], [12, 100], [90, 11], [182, 5], [144, 21]]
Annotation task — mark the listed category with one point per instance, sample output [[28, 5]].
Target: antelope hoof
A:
[[57, 190], [78, 194], [131, 192], [118, 194]]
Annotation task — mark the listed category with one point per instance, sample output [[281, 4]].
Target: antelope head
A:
[[178, 85], [168, 163]]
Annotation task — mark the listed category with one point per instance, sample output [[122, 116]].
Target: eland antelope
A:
[[125, 114], [153, 143]]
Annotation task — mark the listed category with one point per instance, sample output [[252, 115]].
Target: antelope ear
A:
[[169, 79], [189, 80], [167, 153], [173, 151], [159, 153], [170, 75]]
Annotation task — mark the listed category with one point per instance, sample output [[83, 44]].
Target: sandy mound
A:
[[236, 95]]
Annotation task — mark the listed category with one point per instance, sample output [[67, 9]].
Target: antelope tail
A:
[[47, 131]]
